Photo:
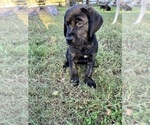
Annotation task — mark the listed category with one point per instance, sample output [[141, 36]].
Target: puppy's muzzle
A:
[[69, 40]]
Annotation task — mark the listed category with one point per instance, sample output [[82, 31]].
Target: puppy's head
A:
[[80, 23]]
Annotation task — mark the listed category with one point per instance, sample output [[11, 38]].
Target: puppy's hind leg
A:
[[66, 63]]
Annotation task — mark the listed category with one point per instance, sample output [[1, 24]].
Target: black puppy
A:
[[125, 7], [105, 7], [80, 24]]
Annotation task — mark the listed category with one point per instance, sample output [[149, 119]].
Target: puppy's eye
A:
[[79, 24]]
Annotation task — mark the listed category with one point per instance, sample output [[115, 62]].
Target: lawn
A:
[[123, 90], [13, 69], [52, 98]]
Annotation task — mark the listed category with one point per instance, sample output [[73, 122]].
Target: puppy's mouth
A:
[[74, 41], [70, 40]]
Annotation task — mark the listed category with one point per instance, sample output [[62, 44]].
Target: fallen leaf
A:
[[108, 111], [85, 102], [128, 111], [55, 93]]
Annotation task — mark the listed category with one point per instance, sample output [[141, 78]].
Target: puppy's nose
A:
[[69, 39]]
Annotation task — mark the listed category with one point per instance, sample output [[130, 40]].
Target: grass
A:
[[135, 71], [122, 93], [53, 100], [13, 71]]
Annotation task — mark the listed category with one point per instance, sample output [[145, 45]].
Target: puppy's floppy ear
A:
[[95, 19], [65, 27]]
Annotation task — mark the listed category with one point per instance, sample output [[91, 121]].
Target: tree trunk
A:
[[68, 3], [97, 2], [87, 1]]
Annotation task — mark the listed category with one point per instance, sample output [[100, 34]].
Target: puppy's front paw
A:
[[75, 80], [90, 82]]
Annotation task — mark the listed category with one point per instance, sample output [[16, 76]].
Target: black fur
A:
[[80, 24], [105, 7]]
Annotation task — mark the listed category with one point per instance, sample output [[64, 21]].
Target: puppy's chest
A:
[[83, 58], [84, 53]]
